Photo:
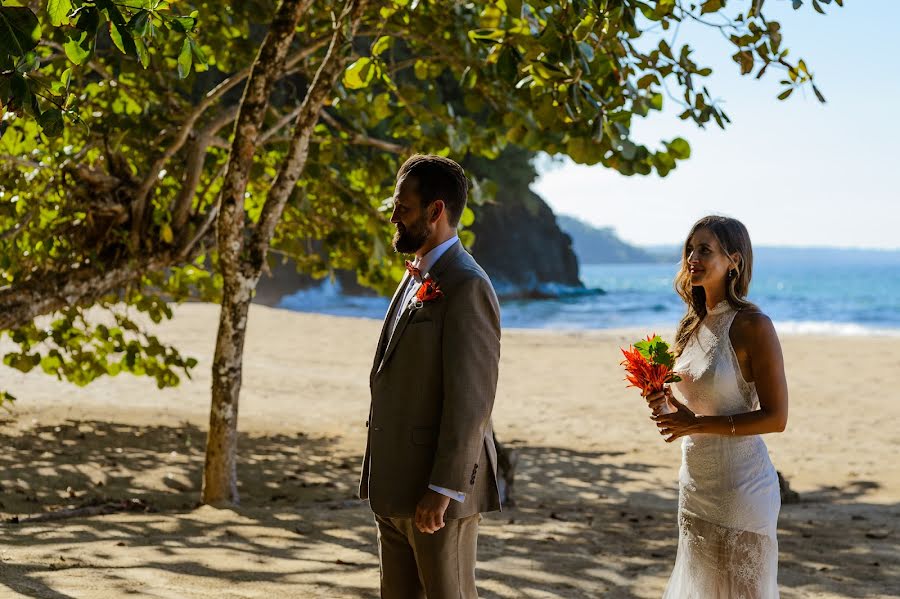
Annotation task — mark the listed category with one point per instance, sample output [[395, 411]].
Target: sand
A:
[[596, 486]]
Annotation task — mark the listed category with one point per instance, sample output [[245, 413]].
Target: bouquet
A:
[[649, 367]]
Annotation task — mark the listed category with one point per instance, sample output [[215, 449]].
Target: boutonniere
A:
[[429, 291]]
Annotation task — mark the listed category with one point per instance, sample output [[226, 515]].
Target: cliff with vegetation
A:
[[517, 240]]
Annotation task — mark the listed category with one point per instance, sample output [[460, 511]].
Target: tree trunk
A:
[[240, 264], [220, 472]]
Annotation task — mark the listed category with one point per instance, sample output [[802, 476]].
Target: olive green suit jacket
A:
[[432, 386]]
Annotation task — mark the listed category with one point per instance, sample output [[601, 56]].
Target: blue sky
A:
[[797, 173]]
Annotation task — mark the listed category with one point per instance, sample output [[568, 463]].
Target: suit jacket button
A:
[[367, 424]]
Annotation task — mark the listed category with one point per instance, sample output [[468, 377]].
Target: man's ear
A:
[[437, 208]]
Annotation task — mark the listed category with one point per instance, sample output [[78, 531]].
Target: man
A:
[[430, 465]]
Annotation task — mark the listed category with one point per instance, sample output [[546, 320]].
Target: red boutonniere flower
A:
[[428, 291]]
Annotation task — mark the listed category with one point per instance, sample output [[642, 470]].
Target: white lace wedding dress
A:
[[728, 489]]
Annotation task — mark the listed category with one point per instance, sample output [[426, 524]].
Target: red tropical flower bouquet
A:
[[649, 366]]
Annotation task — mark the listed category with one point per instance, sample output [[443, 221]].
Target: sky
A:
[[796, 172]]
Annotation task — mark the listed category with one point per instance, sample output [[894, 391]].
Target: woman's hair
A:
[[733, 237]]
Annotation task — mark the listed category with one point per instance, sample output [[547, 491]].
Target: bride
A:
[[734, 389]]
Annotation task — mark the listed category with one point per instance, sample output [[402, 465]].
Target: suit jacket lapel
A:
[[445, 260], [385, 327], [392, 342]]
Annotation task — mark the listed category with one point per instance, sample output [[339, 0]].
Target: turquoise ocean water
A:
[[842, 292]]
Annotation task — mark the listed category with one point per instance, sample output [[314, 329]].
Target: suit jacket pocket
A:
[[423, 435], [419, 320]]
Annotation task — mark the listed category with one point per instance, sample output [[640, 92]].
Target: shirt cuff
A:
[[460, 497]]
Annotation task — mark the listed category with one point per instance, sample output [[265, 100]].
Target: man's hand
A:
[[430, 512]]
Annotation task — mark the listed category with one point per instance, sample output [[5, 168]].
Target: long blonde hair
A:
[[733, 237]]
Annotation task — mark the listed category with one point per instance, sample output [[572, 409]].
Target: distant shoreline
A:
[[786, 328]]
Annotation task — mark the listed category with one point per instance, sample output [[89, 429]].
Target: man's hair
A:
[[439, 178]]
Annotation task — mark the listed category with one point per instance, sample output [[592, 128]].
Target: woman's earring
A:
[[731, 274]]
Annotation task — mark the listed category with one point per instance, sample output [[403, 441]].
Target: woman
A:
[[734, 390]]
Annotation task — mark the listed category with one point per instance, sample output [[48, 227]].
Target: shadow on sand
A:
[[574, 532]]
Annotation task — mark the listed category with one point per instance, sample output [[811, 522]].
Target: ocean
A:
[[832, 292]]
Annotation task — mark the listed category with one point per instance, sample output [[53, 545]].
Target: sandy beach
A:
[[596, 485]]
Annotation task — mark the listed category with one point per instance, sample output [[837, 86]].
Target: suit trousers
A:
[[417, 565]]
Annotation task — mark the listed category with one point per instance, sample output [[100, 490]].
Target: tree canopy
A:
[[118, 118]]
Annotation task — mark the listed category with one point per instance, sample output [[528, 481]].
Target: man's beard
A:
[[409, 240]]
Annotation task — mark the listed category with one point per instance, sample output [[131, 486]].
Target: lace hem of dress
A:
[[715, 562]]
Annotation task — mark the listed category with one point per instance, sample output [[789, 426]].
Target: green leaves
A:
[[139, 24], [184, 24], [79, 351], [421, 70], [679, 148], [656, 351], [382, 44], [78, 49], [39, 91], [185, 59], [359, 74], [711, 6], [487, 36], [51, 122], [20, 31], [59, 10], [584, 27], [82, 38]]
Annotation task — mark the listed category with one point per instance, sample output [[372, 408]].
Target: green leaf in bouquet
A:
[[643, 348], [656, 351]]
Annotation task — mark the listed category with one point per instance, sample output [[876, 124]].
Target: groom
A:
[[430, 464]]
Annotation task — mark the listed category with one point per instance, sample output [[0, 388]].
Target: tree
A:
[[129, 179]]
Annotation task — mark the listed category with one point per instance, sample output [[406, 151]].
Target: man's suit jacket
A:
[[433, 384]]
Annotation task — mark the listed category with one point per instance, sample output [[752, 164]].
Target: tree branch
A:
[[322, 84], [23, 302], [196, 157], [17, 228], [267, 68], [189, 248], [140, 201], [20, 161], [362, 139]]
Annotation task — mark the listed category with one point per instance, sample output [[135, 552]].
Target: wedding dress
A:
[[728, 489]]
